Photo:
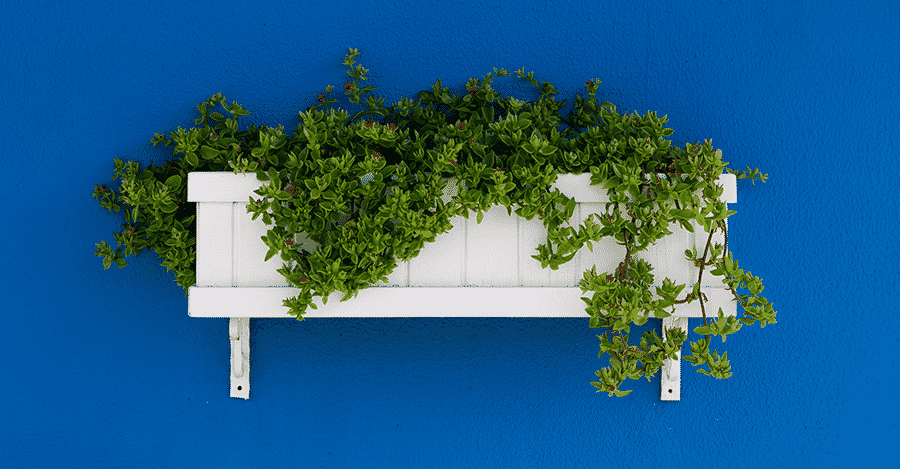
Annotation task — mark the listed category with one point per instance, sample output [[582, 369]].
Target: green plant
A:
[[330, 180]]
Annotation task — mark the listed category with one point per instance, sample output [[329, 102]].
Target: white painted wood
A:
[[492, 251], [250, 267], [406, 302], [214, 253], [671, 370], [474, 270], [239, 334], [447, 251], [225, 186]]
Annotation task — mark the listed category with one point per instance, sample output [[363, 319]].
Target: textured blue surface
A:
[[106, 369]]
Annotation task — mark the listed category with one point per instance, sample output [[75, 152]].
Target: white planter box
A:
[[474, 270]]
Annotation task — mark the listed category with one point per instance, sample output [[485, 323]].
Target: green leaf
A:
[[311, 136], [570, 208], [174, 183], [218, 117], [192, 159], [682, 186], [273, 176], [209, 153], [121, 263], [547, 151]]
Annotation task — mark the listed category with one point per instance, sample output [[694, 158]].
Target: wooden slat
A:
[[440, 263], [215, 243], [250, 267], [225, 186], [222, 186], [492, 250], [578, 186], [424, 302]]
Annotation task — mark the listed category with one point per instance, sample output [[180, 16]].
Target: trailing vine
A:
[[368, 190]]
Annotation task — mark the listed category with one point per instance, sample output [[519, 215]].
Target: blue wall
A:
[[104, 368]]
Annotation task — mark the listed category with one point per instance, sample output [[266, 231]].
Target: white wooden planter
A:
[[475, 270]]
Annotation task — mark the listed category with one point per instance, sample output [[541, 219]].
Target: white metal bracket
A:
[[671, 370], [239, 333]]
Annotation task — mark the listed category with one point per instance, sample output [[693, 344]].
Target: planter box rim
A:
[[225, 186]]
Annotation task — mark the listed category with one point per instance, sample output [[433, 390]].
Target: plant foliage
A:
[[368, 189]]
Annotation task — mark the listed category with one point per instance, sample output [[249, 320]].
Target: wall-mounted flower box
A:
[[475, 270]]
